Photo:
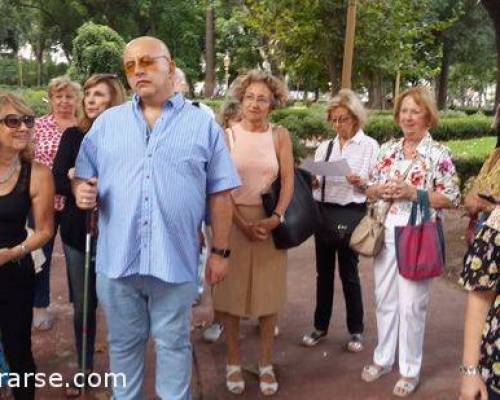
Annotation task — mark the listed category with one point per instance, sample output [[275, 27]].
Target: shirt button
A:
[[150, 155], [147, 176], [145, 222], [146, 198]]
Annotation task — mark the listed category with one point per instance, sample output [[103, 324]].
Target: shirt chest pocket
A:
[[186, 160]]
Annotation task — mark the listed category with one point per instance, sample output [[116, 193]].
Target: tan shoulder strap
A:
[[276, 140], [229, 138]]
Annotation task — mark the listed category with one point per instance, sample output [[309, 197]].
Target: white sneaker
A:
[[213, 332]]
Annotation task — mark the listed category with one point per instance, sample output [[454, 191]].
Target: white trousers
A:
[[401, 308]]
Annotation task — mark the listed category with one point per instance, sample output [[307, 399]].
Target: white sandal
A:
[[235, 387], [404, 388], [266, 388], [372, 372]]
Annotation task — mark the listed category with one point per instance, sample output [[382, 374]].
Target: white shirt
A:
[[361, 154]]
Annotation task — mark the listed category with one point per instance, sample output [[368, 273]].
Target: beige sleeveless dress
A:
[[256, 282]]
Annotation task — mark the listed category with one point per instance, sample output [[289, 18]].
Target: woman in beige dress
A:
[[256, 283]]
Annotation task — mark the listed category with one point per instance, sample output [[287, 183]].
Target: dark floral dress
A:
[[482, 272]]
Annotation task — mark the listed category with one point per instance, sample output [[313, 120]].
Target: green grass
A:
[[472, 148]]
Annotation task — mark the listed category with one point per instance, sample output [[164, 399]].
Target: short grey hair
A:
[[348, 99], [180, 82]]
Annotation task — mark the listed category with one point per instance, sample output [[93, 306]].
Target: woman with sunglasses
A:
[[100, 92], [24, 185], [64, 95]]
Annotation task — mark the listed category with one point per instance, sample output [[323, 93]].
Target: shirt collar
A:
[[421, 147], [355, 139], [176, 101]]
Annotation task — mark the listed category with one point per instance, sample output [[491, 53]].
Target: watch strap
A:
[[225, 253]]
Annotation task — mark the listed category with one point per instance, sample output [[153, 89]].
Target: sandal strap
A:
[[267, 370], [231, 369]]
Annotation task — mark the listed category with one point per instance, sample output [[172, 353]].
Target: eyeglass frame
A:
[[344, 119], [152, 59], [20, 120], [261, 101]]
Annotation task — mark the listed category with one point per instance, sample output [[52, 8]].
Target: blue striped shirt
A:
[[153, 186]]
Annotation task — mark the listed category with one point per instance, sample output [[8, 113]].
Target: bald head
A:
[[149, 68], [151, 42]]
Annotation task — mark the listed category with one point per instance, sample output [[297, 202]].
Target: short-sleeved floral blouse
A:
[[482, 272], [47, 138], [431, 169]]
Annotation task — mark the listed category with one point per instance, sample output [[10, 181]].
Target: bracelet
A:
[[468, 370], [24, 250]]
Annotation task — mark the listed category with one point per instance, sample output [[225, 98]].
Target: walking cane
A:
[[88, 259]]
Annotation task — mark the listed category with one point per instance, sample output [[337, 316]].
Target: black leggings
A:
[[17, 283]]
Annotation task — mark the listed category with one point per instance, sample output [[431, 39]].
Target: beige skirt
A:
[[256, 282]]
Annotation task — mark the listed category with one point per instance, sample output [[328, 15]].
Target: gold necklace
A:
[[10, 173]]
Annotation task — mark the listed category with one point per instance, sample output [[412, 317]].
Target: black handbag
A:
[[337, 221], [301, 216]]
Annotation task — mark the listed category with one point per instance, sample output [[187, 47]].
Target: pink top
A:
[[47, 137], [255, 158]]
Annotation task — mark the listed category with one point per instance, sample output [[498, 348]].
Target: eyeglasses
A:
[[340, 120], [14, 121], [145, 62], [261, 101]]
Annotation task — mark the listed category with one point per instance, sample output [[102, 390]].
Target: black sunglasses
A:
[[15, 121]]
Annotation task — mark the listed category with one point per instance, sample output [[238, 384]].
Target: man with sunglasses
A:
[[153, 164]]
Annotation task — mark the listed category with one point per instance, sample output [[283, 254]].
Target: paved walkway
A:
[[325, 372]]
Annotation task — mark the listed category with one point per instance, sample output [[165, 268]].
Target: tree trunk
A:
[[493, 10], [39, 50], [209, 50], [316, 95], [375, 91], [334, 75], [442, 84]]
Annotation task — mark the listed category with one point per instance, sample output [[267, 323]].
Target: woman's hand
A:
[[473, 388], [71, 173], [404, 191], [252, 231], [315, 182], [268, 224], [356, 181]]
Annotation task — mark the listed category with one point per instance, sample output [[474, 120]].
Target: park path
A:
[[325, 372]]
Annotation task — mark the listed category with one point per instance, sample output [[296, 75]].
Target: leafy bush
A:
[[467, 167], [96, 49], [35, 98], [215, 105], [473, 110]]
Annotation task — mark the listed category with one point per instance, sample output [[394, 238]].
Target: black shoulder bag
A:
[[301, 216], [337, 221]]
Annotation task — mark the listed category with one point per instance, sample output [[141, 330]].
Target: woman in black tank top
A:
[[24, 185]]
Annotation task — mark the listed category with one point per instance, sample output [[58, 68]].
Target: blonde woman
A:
[[64, 100], [343, 195], [24, 185], [414, 162]]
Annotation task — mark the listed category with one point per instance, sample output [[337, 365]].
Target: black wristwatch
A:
[[224, 253]]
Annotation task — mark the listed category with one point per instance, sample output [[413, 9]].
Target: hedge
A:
[[308, 126]]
